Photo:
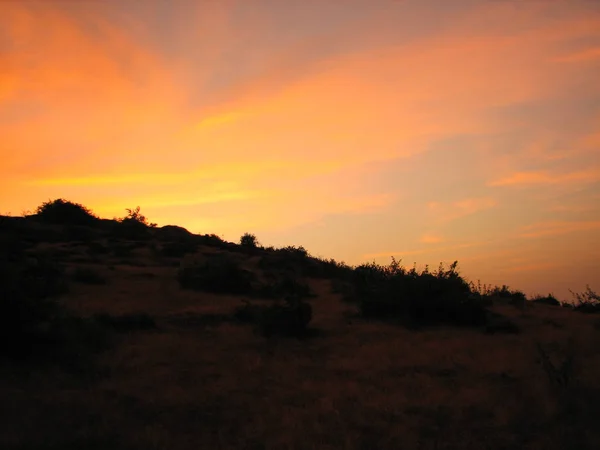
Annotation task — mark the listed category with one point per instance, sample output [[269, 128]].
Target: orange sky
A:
[[361, 129]]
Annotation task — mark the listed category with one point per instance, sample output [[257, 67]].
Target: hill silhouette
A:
[[123, 334]]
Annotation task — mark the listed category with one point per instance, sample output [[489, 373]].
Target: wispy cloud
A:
[[431, 239], [553, 228], [446, 212], [586, 55], [527, 178], [421, 251]]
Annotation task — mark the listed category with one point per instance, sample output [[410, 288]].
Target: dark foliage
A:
[[286, 287], [64, 212], [515, 297], [249, 240], [220, 274], [586, 302], [33, 326], [289, 319], [134, 226], [392, 292], [547, 300], [177, 249]]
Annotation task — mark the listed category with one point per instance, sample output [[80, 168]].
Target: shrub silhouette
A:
[[547, 300], [177, 249], [32, 323], [249, 240], [220, 275], [286, 287], [133, 226], [441, 297], [586, 302], [515, 297], [61, 211], [289, 319]]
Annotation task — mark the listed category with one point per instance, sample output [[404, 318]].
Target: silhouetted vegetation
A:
[[587, 301], [289, 318], [33, 325], [64, 212], [364, 386], [133, 226], [177, 249], [249, 240], [393, 292], [546, 300], [286, 288], [220, 274]]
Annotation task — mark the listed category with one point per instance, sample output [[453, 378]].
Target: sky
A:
[[360, 129]]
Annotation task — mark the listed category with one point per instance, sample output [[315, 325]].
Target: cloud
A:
[[553, 228], [533, 267], [586, 55], [431, 239], [543, 177], [447, 212], [421, 251]]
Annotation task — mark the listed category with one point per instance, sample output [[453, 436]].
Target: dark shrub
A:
[[249, 240], [547, 300], [80, 233], [327, 268], [134, 226], [61, 211], [34, 325], [293, 251], [172, 233], [586, 302], [87, 275], [130, 229], [280, 319], [178, 248], [392, 292], [220, 274], [286, 287], [515, 297]]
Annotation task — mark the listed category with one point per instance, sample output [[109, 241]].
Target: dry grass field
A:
[[195, 378]]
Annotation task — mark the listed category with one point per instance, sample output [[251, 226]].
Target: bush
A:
[[33, 325], [547, 300], [289, 319], [177, 249], [133, 226], [249, 240], [285, 288], [61, 211], [294, 252], [441, 297], [220, 275], [586, 302]]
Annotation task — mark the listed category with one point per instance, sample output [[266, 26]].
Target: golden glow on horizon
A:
[[355, 131]]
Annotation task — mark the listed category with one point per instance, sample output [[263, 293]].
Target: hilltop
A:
[[120, 334]]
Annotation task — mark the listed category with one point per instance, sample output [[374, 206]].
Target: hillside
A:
[[117, 334]]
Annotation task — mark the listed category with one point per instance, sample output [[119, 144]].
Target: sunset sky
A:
[[361, 129]]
